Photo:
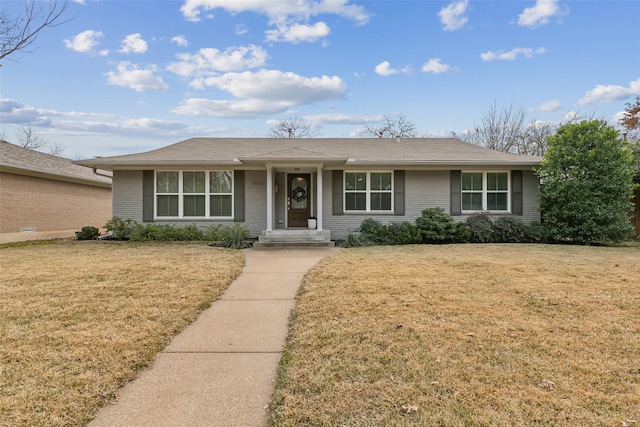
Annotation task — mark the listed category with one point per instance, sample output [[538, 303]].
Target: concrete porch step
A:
[[298, 244], [294, 238]]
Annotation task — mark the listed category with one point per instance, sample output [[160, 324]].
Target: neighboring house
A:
[[46, 196], [276, 184]]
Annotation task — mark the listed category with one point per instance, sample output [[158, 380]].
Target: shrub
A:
[[212, 233], [371, 226], [354, 240], [403, 233], [538, 233], [510, 230], [88, 233], [481, 228], [120, 228], [159, 232], [235, 236], [190, 233], [436, 226]]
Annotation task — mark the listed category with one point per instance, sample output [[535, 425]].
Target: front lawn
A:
[[80, 319], [465, 335]]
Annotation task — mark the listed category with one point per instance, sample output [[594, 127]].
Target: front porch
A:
[[294, 238]]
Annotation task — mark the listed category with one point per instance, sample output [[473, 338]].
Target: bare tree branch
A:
[[18, 33], [391, 128], [27, 138], [507, 131], [294, 127]]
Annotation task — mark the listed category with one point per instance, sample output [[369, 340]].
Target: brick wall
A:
[[50, 205]]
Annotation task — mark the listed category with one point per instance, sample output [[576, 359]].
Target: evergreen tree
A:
[[587, 183]]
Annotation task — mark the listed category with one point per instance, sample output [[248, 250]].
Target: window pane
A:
[[497, 181], [167, 205], [472, 181], [193, 205], [471, 201], [220, 182], [167, 182], [356, 201], [380, 201], [497, 201], [355, 181], [220, 206], [381, 181], [193, 182]]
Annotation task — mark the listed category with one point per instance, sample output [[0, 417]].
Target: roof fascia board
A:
[[54, 177]]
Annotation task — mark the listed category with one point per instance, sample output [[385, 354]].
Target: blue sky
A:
[[130, 76]]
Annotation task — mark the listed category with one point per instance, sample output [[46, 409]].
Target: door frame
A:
[[310, 195]]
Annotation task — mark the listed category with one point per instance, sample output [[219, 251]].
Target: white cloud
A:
[[84, 42], [140, 80], [279, 86], [298, 33], [180, 40], [246, 108], [435, 66], [14, 112], [552, 105], [278, 10], [133, 43], [609, 93], [453, 17], [541, 13], [512, 54], [262, 93], [384, 69], [342, 119], [209, 60]]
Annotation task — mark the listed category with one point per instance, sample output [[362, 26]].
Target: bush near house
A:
[[435, 226], [232, 236]]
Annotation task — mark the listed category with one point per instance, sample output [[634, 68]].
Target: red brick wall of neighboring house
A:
[[50, 205]]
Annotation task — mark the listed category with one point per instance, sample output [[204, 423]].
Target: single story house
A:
[[273, 185], [44, 196]]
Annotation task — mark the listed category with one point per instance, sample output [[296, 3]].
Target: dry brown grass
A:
[[79, 319], [465, 335]]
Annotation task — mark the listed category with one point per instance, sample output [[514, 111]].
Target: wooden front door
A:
[[298, 199]]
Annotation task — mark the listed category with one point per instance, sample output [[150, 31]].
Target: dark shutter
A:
[[456, 193], [238, 196], [398, 195], [147, 196], [516, 192], [337, 192]]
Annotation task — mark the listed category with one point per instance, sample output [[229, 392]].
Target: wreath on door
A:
[[299, 194]]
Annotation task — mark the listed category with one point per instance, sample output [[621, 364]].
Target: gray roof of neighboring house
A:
[[23, 161], [332, 152]]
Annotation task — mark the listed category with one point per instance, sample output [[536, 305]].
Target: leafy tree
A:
[[391, 127], [631, 124], [586, 183], [294, 127], [18, 33]]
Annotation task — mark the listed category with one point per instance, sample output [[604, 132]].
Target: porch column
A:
[[269, 198], [319, 197]]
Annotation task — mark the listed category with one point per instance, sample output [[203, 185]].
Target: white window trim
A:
[[367, 190], [181, 194], [485, 191]]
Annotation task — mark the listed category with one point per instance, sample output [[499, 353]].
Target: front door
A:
[[298, 199]]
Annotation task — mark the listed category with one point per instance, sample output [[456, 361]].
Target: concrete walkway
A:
[[220, 370]]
